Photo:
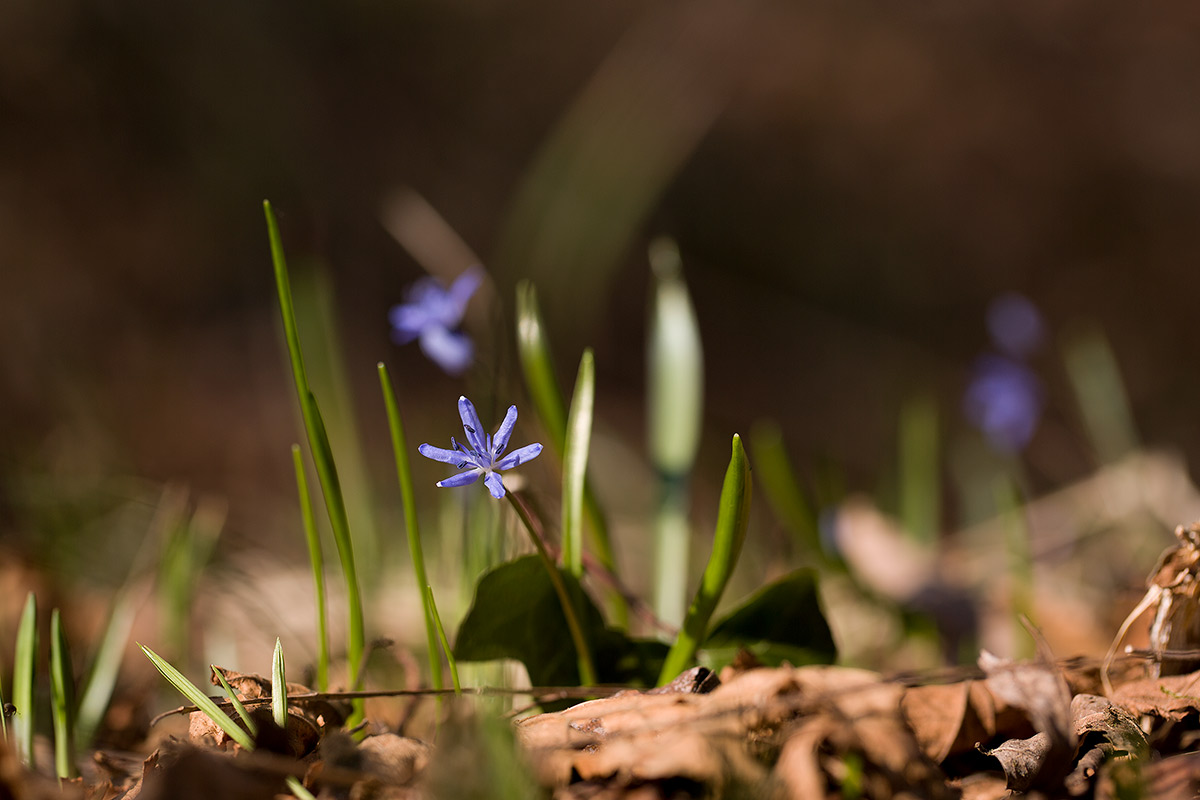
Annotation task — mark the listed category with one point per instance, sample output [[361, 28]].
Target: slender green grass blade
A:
[[298, 788], [675, 400], [238, 706], [106, 666], [579, 436], [316, 560], [785, 495], [537, 365], [407, 499], [732, 517], [3, 716], [441, 632], [199, 699], [62, 699], [317, 322], [279, 688], [1100, 391], [25, 667], [322, 454], [919, 478]]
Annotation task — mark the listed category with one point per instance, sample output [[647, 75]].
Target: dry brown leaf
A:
[[936, 714], [1169, 697]]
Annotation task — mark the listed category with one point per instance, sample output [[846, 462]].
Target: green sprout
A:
[[317, 560], [733, 514], [322, 453], [24, 670], [62, 699]]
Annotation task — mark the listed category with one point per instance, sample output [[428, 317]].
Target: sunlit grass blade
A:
[[919, 477], [62, 699], [3, 715], [316, 560], [315, 307], [322, 455], [579, 436], [106, 666], [279, 688], [675, 389], [416, 552], [199, 699], [238, 706], [785, 495], [732, 516], [1100, 391], [25, 657], [189, 548], [537, 365], [441, 632]]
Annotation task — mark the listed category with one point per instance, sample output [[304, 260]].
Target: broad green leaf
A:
[[783, 620], [579, 436], [199, 699], [322, 453], [732, 516], [516, 614], [407, 499], [24, 669], [62, 698]]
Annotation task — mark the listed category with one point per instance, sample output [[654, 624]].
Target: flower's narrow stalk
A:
[[587, 672]]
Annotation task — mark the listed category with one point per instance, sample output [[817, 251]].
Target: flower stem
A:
[[587, 672]]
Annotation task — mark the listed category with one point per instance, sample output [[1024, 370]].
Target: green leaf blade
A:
[[62, 698], [408, 501], [199, 699], [322, 454], [24, 669], [732, 517], [279, 700], [579, 435]]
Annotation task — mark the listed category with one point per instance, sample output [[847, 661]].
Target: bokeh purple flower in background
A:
[[1004, 398], [432, 314], [483, 455], [1015, 325]]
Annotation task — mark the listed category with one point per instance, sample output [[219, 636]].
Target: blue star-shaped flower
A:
[[483, 455], [432, 315]]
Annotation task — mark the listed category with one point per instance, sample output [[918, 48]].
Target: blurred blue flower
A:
[[1004, 400], [483, 455], [1015, 325], [432, 314]]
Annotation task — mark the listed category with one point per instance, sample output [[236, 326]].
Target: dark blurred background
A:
[[850, 184]]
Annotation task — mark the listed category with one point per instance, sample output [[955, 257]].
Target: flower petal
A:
[[450, 350], [500, 440], [463, 287], [517, 457], [445, 456], [407, 322], [461, 479], [471, 425], [494, 484]]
